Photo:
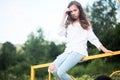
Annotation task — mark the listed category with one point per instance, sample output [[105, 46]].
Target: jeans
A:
[[65, 62]]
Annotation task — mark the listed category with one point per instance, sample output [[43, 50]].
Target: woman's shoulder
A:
[[89, 27]]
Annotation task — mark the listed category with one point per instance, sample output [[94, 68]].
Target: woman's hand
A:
[[64, 16], [108, 51], [105, 50], [66, 12]]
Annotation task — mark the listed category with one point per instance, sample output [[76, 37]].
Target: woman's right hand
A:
[[66, 12], [64, 16]]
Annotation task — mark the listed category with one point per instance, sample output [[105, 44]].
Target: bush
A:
[[85, 77], [116, 76]]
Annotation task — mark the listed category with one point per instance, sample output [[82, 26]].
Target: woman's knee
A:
[[51, 68]]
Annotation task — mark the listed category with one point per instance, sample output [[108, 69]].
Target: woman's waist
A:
[[76, 45], [79, 50]]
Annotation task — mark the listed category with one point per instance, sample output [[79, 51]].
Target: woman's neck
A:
[[76, 21]]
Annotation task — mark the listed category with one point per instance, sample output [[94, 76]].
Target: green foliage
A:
[[112, 38], [94, 68], [78, 70], [12, 66], [98, 66], [55, 50], [34, 47], [8, 55], [39, 51], [116, 76], [112, 41], [85, 77], [16, 65], [103, 17]]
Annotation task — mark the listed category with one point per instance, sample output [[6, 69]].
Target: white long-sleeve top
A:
[[77, 37]]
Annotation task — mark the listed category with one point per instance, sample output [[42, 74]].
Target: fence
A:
[[85, 58]]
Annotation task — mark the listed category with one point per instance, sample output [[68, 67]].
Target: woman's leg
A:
[[68, 63], [56, 63]]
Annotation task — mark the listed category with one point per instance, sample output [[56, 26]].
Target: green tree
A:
[[8, 55], [113, 41], [54, 51], [116, 37], [35, 47], [113, 38], [7, 59], [103, 16], [103, 19]]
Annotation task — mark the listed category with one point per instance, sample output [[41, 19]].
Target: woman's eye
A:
[[75, 10]]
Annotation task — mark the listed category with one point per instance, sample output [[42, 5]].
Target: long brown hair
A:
[[82, 17]]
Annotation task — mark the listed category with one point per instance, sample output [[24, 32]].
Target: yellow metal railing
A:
[[115, 72], [36, 67], [85, 58]]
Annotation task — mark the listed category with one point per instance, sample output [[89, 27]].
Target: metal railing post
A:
[[49, 76], [32, 73]]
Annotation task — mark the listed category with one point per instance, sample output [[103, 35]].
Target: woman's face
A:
[[74, 12]]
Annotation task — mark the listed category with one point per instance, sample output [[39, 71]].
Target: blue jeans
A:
[[65, 62]]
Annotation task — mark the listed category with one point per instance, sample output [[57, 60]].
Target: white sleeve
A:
[[61, 31], [93, 38]]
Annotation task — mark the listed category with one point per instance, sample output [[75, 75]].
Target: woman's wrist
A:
[[63, 22], [104, 49], [64, 17]]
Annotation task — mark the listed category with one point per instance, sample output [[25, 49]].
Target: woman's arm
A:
[[63, 20], [62, 29], [104, 49], [95, 41], [65, 14]]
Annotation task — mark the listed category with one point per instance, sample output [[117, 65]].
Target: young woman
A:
[[77, 30]]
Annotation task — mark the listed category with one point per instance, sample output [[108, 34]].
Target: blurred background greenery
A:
[[16, 60]]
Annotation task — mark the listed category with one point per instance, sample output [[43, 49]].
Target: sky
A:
[[18, 18]]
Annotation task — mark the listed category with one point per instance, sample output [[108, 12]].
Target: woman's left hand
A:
[[108, 51]]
